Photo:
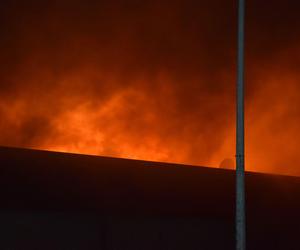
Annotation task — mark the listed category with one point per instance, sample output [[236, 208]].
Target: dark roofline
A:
[[38, 180]]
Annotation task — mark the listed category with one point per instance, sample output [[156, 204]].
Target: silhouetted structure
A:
[[240, 216], [68, 201]]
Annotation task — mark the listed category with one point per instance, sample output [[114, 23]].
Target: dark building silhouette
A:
[[67, 201]]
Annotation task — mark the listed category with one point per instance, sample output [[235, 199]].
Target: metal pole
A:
[[240, 179]]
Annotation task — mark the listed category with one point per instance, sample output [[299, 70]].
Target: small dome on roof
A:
[[227, 163]]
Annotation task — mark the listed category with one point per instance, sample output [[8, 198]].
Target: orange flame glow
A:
[[149, 82]]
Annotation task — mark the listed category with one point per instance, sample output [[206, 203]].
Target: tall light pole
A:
[[240, 162]]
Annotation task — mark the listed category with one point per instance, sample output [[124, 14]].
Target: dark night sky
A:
[[150, 79]]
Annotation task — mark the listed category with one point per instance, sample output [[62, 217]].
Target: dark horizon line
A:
[[174, 164]]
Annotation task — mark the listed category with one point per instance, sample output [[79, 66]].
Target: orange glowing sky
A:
[[150, 80]]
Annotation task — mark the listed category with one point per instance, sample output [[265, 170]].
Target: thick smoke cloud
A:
[[150, 80]]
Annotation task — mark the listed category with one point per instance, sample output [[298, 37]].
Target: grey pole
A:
[[240, 162]]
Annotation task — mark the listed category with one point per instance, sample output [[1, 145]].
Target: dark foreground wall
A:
[[66, 201]]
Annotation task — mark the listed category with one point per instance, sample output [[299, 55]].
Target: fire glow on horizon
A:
[[148, 81]]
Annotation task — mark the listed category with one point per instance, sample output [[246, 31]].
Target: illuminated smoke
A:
[[147, 80]]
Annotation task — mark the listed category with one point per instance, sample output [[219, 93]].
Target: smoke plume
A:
[[150, 80]]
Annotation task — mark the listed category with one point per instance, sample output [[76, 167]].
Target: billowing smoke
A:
[[150, 80]]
